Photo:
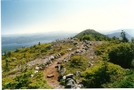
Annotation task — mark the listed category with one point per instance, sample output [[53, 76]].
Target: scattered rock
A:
[[77, 51], [69, 83], [65, 60], [37, 68], [72, 54], [51, 57], [59, 62], [32, 75], [42, 66], [13, 58], [75, 43], [69, 49], [56, 66], [64, 77], [69, 75], [90, 64], [50, 76], [59, 68], [35, 71], [78, 86]]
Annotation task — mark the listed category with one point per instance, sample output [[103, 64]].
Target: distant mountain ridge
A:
[[128, 31], [117, 34], [12, 42]]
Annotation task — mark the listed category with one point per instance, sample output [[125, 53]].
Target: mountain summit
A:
[[88, 32]]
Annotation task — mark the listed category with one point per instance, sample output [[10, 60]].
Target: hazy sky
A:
[[32, 16]]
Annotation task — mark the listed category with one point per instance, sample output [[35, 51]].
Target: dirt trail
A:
[[52, 70]]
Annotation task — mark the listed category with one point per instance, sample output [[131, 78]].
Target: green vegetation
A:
[[118, 53], [123, 36], [91, 35], [76, 63], [113, 67], [126, 82], [109, 70], [121, 54], [16, 72], [25, 81], [23, 55], [102, 74]]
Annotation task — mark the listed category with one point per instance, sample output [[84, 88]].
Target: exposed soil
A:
[[53, 81]]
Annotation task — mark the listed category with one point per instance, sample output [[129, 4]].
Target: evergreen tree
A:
[[132, 42], [39, 43], [132, 46], [123, 36]]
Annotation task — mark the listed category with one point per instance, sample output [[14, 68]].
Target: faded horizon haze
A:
[[42, 16]]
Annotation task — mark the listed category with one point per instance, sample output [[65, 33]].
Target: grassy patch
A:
[[77, 63]]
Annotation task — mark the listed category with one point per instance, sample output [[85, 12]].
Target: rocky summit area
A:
[[55, 71], [87, 60]]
